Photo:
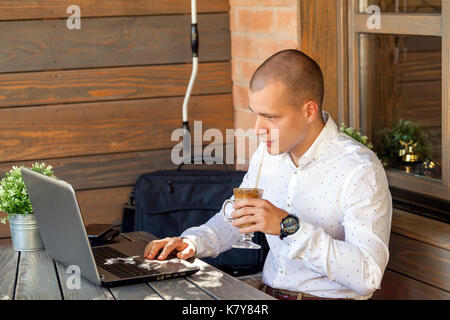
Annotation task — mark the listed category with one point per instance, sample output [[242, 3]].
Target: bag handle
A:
[[193, 158], [132, 196]]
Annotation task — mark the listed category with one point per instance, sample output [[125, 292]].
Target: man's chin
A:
[[274, 150]]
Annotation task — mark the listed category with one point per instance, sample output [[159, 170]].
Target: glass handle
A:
[[227, 202]]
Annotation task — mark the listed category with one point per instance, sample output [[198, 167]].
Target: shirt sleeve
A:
[[358, 262], [217, 235]]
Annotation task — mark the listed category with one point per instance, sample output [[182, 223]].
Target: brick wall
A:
[[259, 28]]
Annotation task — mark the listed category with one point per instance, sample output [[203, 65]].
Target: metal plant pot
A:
[[25, 233]]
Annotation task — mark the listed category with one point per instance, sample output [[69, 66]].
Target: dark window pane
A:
[[403, 6], [401, 100]]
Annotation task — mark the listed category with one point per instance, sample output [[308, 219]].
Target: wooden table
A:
[[35, 276]]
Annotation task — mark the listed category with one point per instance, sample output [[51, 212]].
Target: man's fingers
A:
[[245, 203], [186, 253], [242, 212], [148, 248], [153, 248], [250, 202], [167, 250], [250, 229], [244, 220], [167, 245]]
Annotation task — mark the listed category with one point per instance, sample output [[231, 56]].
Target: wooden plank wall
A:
[[99, 104], [418, 84], [419, 262], [318, 34]]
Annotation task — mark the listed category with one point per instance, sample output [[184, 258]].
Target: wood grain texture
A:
[[410, 6], [5, 242], [69, 86], [104, 127], [103, 205], [105, 42], [103, 171], [377, 83], [179, 289], [419, 228], [37, 277], [446, 96], [319, 40], [217, 283], [419, 66], [404, 24], [135, 292], [420, 261], [423, 186], [96, 205], [223, 285], [420, 102], [113, 170], [398, 287], [36, 282], [353, 68], [103, 183], [52, 9], [125, 50], [5, 231], [8, 266], [342, 60], [87, 290]]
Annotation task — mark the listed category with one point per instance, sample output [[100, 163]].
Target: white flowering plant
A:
[[351, 132], [13, 193]]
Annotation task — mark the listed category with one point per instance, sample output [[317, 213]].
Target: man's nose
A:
[[260, 128]]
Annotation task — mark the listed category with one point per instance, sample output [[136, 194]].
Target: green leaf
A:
[[351, 132], [13, 195]]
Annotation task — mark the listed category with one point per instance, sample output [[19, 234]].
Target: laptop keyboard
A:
[[118, 263]]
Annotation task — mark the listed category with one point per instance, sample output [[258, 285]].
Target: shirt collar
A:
[[322, 142]]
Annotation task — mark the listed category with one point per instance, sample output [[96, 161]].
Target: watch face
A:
[[290, 225]]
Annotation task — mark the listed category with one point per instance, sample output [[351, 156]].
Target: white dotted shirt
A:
[[341, 196]]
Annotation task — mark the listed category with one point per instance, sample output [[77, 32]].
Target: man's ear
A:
[[311, 110]]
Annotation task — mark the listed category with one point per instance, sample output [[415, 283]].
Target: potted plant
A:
[[405, 136], [14, 201]]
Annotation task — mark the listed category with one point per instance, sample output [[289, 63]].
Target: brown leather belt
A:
[[291, 295]]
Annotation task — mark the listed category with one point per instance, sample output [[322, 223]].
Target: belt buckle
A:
[[284, 295], [281, 294]]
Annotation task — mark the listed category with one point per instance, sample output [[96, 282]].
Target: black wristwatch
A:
[[289, 226]]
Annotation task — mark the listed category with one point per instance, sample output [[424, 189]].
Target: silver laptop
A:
[[63, 233]]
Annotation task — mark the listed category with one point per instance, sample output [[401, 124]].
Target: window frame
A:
[[353, 23]]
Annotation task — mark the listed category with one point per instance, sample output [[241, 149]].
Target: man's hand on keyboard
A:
[[185, 248]]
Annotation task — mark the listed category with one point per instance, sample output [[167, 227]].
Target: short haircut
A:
[[299, 74]]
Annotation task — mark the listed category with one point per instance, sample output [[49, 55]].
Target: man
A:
[[326, 209]]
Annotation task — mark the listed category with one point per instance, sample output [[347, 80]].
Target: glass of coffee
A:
[[239, 195]]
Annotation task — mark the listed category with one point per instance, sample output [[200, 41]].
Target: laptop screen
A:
[[60, 222]]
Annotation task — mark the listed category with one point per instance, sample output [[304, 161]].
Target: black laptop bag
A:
[[169, 202]]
